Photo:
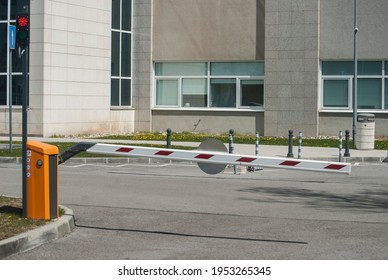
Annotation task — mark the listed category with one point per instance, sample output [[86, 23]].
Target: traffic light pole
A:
[[24, 54], [10, 101]]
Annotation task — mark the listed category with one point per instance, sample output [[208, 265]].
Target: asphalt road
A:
[[174, 211]]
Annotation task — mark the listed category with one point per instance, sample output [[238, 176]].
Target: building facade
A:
[[121, 66]]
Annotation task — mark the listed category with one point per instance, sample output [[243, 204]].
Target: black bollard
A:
[[347, 137], [231, 139], [168, 145], [290, 136]]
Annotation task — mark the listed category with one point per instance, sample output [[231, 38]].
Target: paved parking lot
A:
[[174, 211]]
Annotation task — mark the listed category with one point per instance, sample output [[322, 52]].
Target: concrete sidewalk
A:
[[315, 153]]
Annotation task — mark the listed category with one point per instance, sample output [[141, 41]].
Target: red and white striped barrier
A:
[[219, 158]]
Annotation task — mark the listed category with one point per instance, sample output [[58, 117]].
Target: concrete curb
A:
[[34, 238]]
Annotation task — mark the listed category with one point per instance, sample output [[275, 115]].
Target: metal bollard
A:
[[290, 136], [231, 138], [258, 168], [340, 146], [300, 145], [168, 144], [257, 144], [231, 147], [347, 137]]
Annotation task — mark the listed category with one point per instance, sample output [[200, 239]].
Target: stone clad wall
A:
[[291, 67]]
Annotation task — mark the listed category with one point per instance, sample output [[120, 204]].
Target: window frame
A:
[[208, 78], [350, 77], [179, 90], [240, 92], [120, 77]]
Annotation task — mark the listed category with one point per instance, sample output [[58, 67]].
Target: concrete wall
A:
[[208, 30], [337, 25], [336, 43], [208, 121], [142, 64], [332, 123], [70, 69], [291, 67]]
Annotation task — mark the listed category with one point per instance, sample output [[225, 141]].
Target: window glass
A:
[[386, 94], [115, 14], [125, 92], [337, 68], [223, 92], [194, 100], [16, 62], [121, 53], [369, 68], [369, 94], [115, 54], [237, 68], [17, 89], [335, 93], [386, 68], [3, 9], [194, 86], [3, 90], [13, 9], [252, 92], [167, 92], [115, 92], [3, 47], [181, 69], [194, 92], [126, 55], [126, 15]]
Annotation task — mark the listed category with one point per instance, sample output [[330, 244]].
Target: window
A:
[[121, 50], [181, 69], [167, 92], [209, 84], [194, 92], [181, 84], [237, 69], [337, 85], [252, 93], [7, 17], [223, 93], [386, 94], [335, 93], [337, 68], [369, 93]]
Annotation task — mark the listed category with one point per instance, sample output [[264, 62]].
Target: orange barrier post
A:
[[42, 181]]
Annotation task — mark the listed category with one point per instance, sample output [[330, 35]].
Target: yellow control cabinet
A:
[[42, 180]]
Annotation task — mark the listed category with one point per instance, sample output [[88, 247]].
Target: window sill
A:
[[374, 111], [208, 109], [121, 108]]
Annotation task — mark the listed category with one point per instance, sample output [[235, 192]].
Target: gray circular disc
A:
[[212, 145]]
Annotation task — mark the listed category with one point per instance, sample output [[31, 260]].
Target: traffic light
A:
[[22, 30]]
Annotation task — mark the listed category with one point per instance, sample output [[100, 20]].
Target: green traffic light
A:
[[22, 35]]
